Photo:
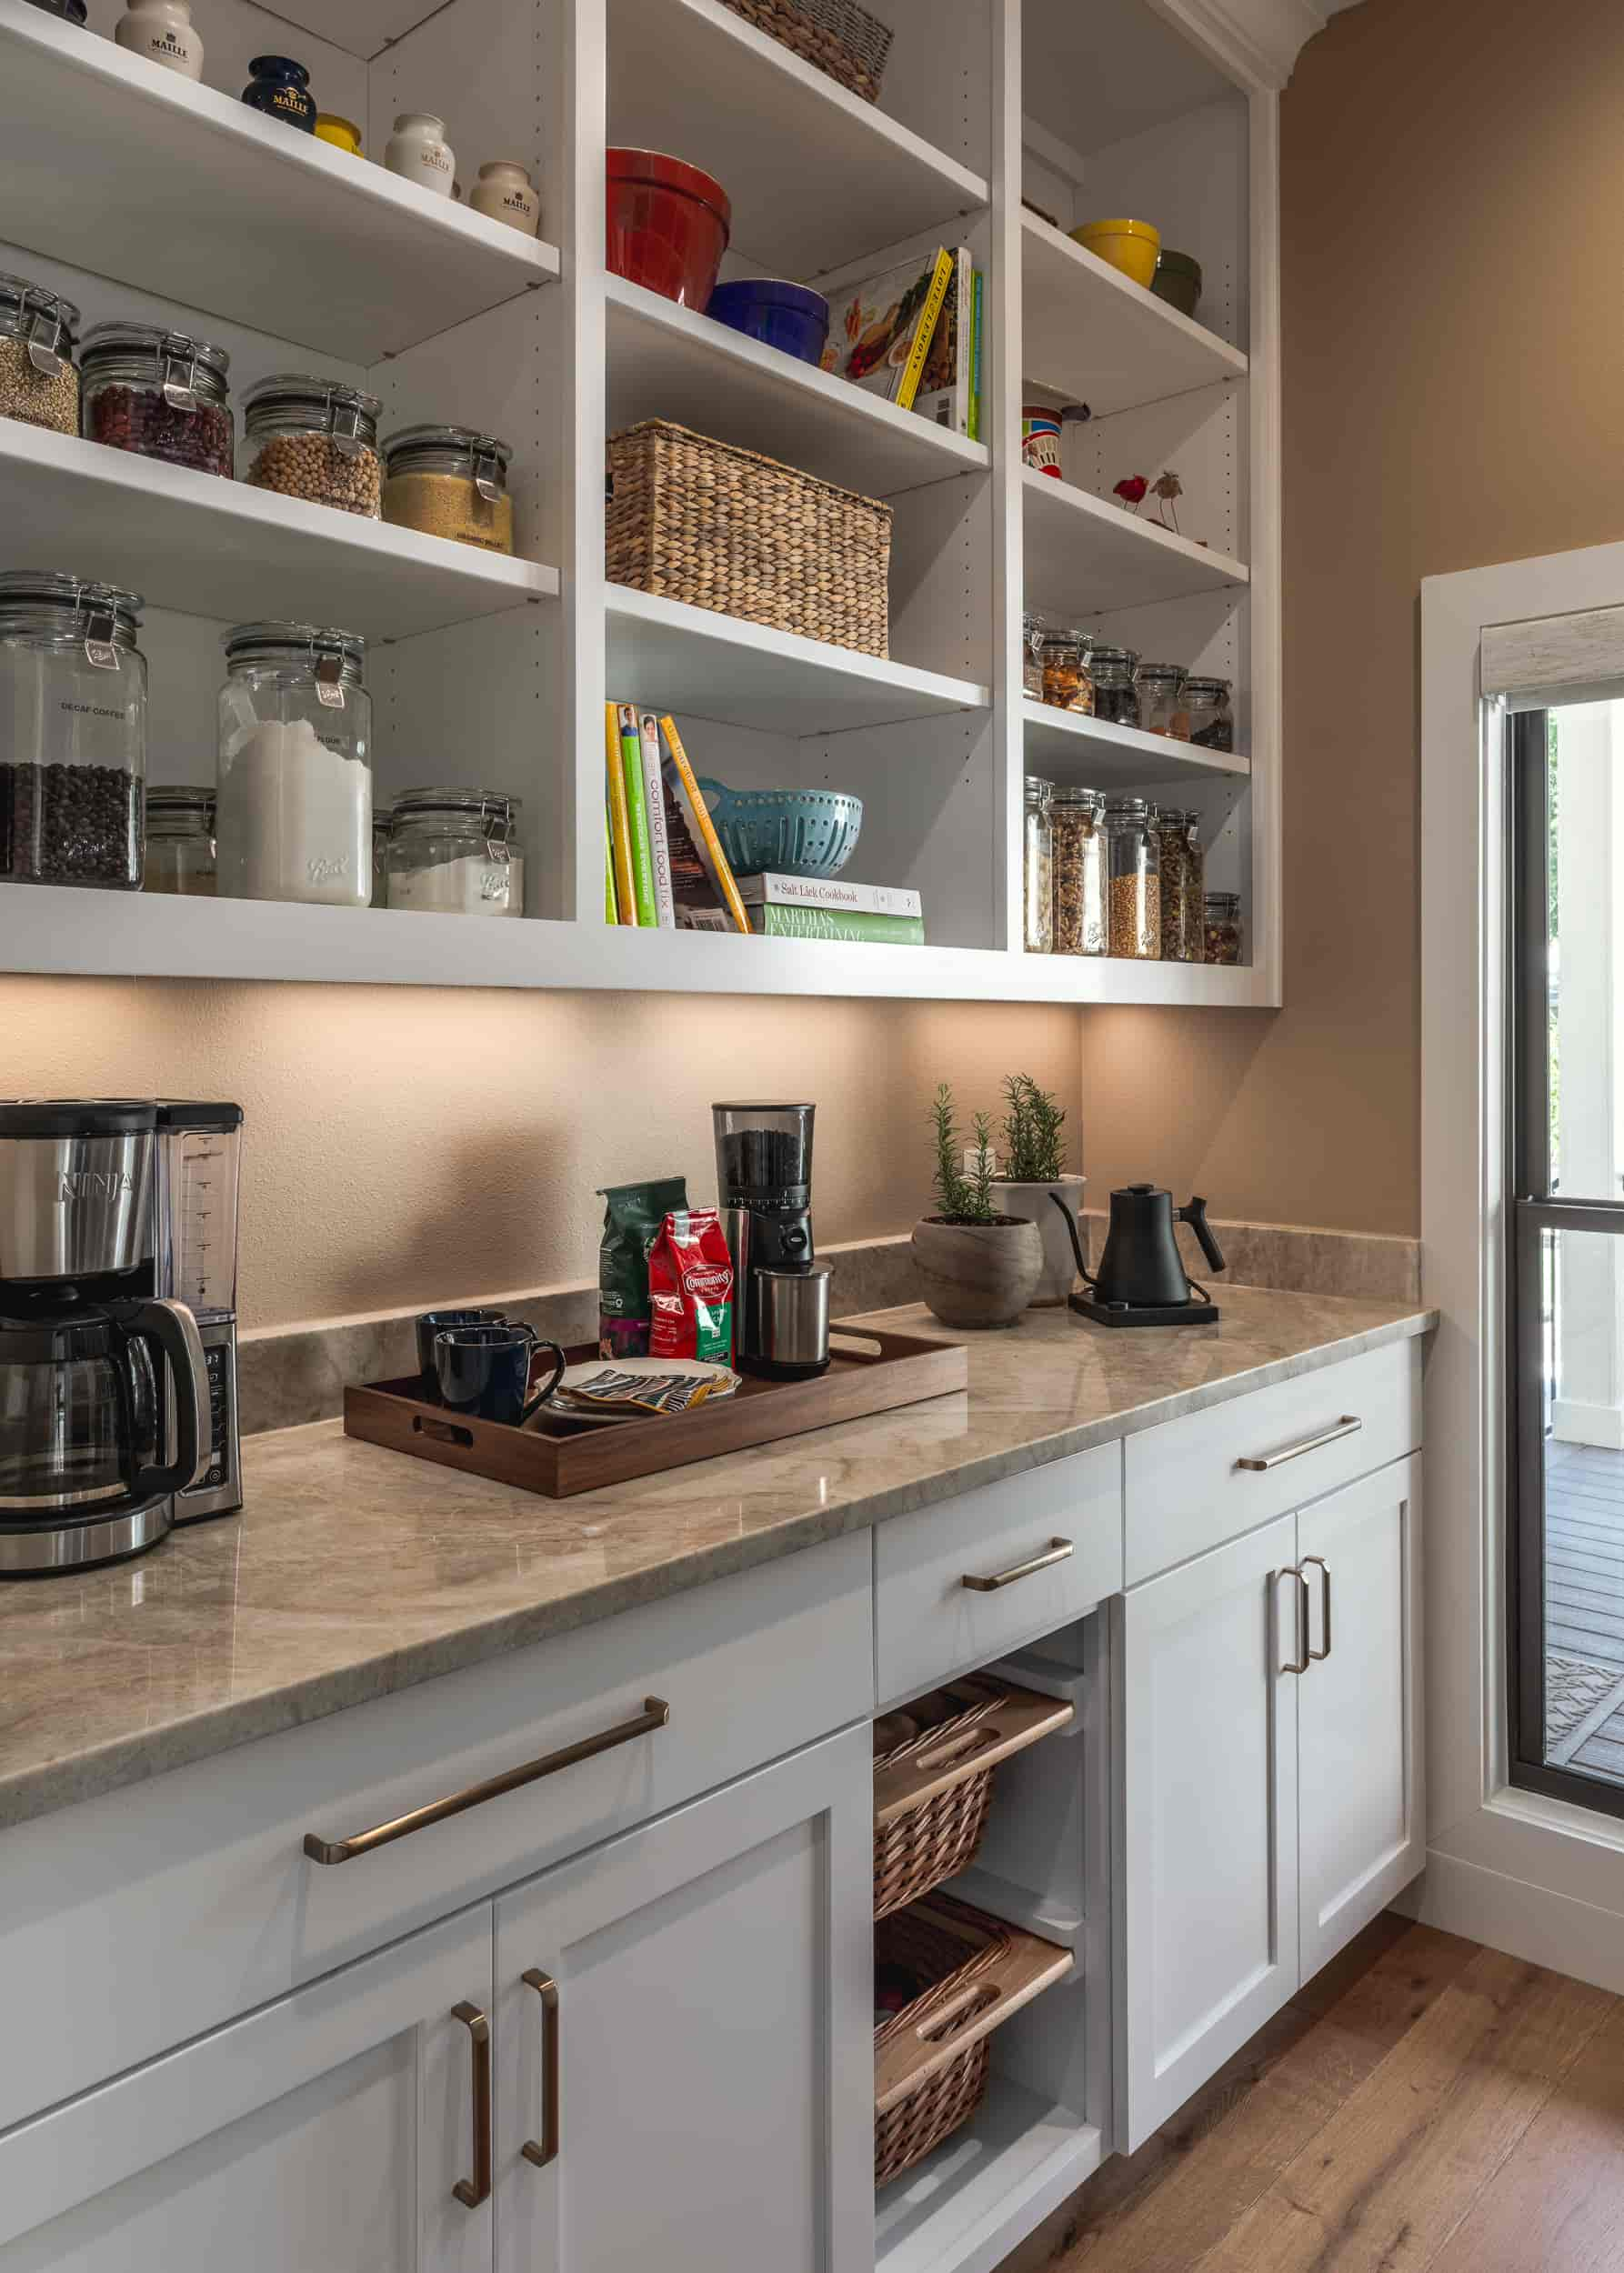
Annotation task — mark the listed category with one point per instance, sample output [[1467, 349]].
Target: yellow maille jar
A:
[[342, 133], [448, 481]]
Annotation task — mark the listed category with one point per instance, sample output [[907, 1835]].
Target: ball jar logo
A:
[[94, 1184]]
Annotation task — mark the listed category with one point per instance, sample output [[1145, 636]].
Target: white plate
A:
[[644, 1366]]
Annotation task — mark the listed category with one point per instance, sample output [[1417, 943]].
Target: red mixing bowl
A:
[[669, 224]]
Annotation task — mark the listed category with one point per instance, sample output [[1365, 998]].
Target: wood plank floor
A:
[[1584, 1585], [1424, 2106]]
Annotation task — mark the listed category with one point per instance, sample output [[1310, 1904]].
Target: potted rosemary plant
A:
[[977, 1267], [1035, 1168]]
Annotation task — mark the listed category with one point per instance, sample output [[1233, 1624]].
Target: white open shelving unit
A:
[[141, 195]]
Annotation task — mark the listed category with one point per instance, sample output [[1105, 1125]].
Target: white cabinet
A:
[[684, 2029]]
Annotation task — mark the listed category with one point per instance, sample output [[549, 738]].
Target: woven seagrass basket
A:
[[836, 37]]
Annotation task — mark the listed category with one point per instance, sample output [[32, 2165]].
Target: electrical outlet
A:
[[972, 1160]]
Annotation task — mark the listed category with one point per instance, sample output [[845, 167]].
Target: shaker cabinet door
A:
[[684, 2033]]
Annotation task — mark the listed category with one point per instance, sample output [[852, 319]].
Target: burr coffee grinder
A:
[[781, 1291]]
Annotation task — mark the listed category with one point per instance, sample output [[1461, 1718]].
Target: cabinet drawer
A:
[[931, 1623], [156, 1912], [1186, 1489]]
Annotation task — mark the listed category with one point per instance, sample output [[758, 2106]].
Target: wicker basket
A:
[[932, 1791], [721, 528], [833, 36]]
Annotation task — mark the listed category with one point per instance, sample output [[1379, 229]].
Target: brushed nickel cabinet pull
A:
[[472, 2191], [545, 2150], [655, 1715], [1324, 1583], [1058, 1549], [1348, 1425], [1298, 1664]]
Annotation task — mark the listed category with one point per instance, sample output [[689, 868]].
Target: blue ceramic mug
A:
[[434, 1322], [485, 1370]]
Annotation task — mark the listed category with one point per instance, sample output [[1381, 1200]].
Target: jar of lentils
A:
[[1079, 864], [38, 382], [180, 842], [160, 393], [1161, 700], [72, 732], [314, 438], [1116, 697], [448, 481], [1133, 880], [1183, 886], [1039, 866], [1065, 681], [1211, 720], [1223, 928]]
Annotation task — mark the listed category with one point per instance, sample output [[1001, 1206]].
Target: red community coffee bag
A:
[[690, 1287]]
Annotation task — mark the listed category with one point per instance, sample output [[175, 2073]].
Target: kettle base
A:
[[1144, 1313]]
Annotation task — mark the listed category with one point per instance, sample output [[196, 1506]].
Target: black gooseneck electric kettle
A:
[[1141, 1280]]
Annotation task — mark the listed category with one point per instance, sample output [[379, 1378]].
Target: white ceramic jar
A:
[[504, 192], [418, 151], [161, 30]]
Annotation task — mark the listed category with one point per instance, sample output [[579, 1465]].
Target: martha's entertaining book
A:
[[881, 329]]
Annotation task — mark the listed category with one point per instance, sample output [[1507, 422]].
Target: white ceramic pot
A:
[[1033, 1200], [161, 30], [418, 151], [977, 1275], [504, 192]]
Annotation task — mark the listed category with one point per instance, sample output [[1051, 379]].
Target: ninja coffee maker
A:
[[117, 1327], [781, 1291]]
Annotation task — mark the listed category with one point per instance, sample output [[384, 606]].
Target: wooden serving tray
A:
[[870, 1372]]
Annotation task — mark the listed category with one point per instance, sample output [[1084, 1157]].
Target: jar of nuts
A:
[[1161, 700], [1065, 684], [38, 383], [1183, 884], [448, 481], [1223, 928], [160, 393], [1133, 880], [314, 438], [1079, 861], [1039, 864]]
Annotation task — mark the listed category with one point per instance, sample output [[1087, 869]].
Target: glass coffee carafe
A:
[[81, 1409]]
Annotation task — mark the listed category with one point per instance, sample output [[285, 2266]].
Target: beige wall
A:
[[1453, 195], [406, 1145]]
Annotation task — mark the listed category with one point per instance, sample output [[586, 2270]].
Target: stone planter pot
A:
[[1032, 1200], [977, 1275]]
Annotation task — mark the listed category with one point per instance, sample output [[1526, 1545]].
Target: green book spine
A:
[[636, 817], [611, 908], [776, 922], [976, 346]]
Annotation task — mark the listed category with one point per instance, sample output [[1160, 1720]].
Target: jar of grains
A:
[[1079, 862], [73, 731], [180, 842], [1032, 630], [1211, 720], [1133, 880], [312, 438], [454, 851], [1183, 884], [1161, 700], [1039, 875], [1116, 697], [1223, 928], [161, 394], [293, 819], [1063, 676], [448, 481], [38, 383]]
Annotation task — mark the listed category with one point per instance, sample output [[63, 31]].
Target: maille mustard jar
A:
[[281, 88]]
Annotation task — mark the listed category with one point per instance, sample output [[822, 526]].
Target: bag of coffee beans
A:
[[633, 1213], [690, 1287]]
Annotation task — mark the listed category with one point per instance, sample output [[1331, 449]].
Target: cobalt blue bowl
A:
[[784, 316]]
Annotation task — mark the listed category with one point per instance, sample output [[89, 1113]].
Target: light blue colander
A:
[[791, 832]]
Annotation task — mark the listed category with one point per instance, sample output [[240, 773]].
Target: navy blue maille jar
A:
[[71, 11], [278, 87]]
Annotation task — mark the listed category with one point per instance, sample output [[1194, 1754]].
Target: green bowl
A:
[[1178, 281]]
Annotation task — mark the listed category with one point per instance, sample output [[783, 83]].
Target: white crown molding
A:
[[1259, 39]]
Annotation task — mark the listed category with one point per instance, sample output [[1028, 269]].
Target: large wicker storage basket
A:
[[834, 35], [692, 519]]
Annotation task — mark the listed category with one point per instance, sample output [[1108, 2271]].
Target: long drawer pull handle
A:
[[472, 2191], [1325, 1586], [1348, 1425], [655, 1713], [545, 2150], [1058, 1549], [1299, 1663]]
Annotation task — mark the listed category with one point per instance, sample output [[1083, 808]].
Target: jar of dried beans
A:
[[72, 732], [1116, 697], [448, 481], [314, 438], [1211, 720], [1161, 700], [1133, 880], [1038, 863], [1223, 928], [1183, 886], [38, 383], [1079, 864], [161, 394]]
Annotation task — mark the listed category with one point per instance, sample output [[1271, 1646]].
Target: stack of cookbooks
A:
[[913, 335], [665, 864]]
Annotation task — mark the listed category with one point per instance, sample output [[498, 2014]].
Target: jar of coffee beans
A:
[[1183, 884], [1223, 928], [161, 394], [448, 481], [1133, 880], [1116, 696], [1079, 860], [38, 383], [72, 732], [316, 439]]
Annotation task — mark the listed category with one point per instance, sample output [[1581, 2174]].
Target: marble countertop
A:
[[354, 1571]]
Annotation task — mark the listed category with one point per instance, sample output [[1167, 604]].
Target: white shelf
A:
[[1085, 555], [664, 653], [816, 176], [112, 163], [1092, 752], [1018, 1905], [967, 2205], [206, 547], [669, 362], [1092, 333]]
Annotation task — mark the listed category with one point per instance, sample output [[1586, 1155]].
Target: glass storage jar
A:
[[294, 810], [448, 481], [314, 438], [454, 851], [1183, 884], [1078, 853], [180, 842], [1038, 859], [1161, 700], [1133, 886], [73, 731], [1223, 928], [1211, 720], [1066, 683], [161, 394], [382, 816], [1032, 631], [38, 382], [1116, 697]]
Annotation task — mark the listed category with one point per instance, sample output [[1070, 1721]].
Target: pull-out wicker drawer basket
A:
[[727, 529]]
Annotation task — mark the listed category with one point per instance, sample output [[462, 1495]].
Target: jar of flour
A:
[[293, 807]]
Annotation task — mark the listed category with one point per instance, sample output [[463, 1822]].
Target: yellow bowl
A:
[[1130, 246]]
